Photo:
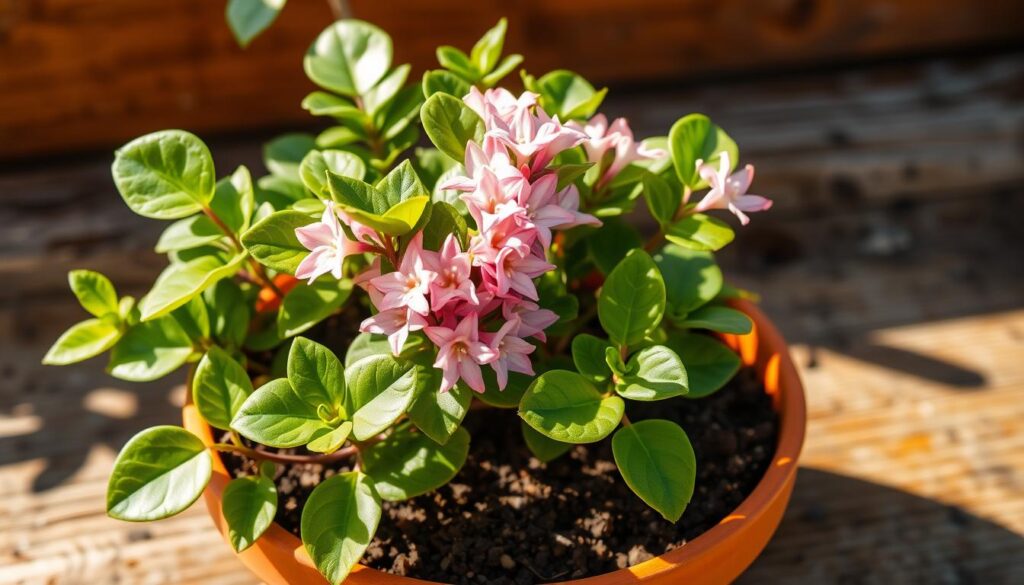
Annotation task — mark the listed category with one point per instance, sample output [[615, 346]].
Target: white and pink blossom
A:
[[730, 191]]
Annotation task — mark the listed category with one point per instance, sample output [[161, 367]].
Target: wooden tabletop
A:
[[893, 262]]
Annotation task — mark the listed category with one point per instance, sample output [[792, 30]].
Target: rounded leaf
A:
[[380, 389], [710, 364], [165, 175], [219, 388], [692, 278], [450, 124], [150, 350], [543, 448], [657, 461], [566, 407], [695, 137], [249, 505], [82, 341], [653, 373], [349, 57], [277, 415], [632, 300], [408, 464], [338, 522], [95, 292]]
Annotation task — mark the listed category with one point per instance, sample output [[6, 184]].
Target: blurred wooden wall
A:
[[84, 74]]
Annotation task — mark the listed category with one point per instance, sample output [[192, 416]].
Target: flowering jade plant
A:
[[493, 266]]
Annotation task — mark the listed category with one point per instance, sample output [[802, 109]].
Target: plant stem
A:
[[321, 458], [258, 272], [625, 420]]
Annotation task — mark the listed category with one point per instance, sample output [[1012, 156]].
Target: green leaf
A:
[[279, 415], [691, 277], [441, 81], [407, 464], [249, 505], [280, 191], [82, 341], [399, 114], [569, 172], [94, 291], [588, 354], [355, 195], [566, 407], [248, 18], [657, 461], [397, 221], [331, 441], [181, 281], [439, 414], [487, 50], [380, 389], [511, 396], [444, 220], [401, 184], [316, 372], [349, 57], [338, 523], [609, 245], [321, 103], [219, 388], [450, 124], [150, 350], [632, 300], [568, 95], [457, 62], [190, 232], [721, 319], [164, 175], [662, 199], [695, 137], [234, 199], [507, 65], [653, 373], [194, 319], [315, 165], [543, 448], [381, 94], [366, 344], [306, 305], [229, 312], [157, 474], [284, 154], [700, 232], [710, 364], [273, 243]]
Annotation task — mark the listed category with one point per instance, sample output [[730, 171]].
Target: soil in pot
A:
[[507, 518]]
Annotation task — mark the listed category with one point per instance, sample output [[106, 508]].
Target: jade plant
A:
[[494, 266]]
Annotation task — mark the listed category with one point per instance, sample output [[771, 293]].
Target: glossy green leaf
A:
[[396, 221], [487, 50], [566, 407], [457, 62], [249, 505], [306, 305], [355, 195], [720, 319], [248, 18], [438, 414], [400, 112], [181, 281], [191, 232], [588, 354], [543, 448], [82, 341], [657, 461], [407, 464], [279, 415], [692, 278], [219, 388], [94, 291], [662, 199], [568, 95], [349, 57], [510, 396], [164, 175], [273, 243], [321, 103], [332, 440], [444, 220], [441, 81], [380, 389], [150, 350], [316, 372], [194, 319], [284, 154], [653, 373], [234, 200], [381, 94], [632, 300], [450, 124], [693, 138], [700, 232], [230, 312], [315, 165], [157, 474], [710, 364], [401, 184], [507, 65], [611, 242], [366, 344], [338, 522]]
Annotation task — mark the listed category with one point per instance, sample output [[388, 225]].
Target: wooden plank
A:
[[84, 74]]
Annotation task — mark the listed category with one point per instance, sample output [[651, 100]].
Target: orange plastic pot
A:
[[717, 556]]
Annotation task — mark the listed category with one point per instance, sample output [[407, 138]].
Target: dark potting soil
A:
[[507, 518]]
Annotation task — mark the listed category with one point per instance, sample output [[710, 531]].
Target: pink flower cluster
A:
[[480, 305]]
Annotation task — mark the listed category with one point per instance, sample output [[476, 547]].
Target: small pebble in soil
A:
[[508, 519]]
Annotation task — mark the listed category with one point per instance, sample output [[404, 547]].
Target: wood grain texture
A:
[[891, 261], [79, 74]]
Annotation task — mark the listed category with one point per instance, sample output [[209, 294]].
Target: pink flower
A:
[[513, 272], [729, 192], [569, 200], [536, 138], [505, 233], [460, 354], [532, 319], [618, 136], [511, 352], [409, 285], [453, 267], [328, 246], [498, 105], [396, 324]]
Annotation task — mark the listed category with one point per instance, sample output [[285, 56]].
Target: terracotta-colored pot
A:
[[717, 556]]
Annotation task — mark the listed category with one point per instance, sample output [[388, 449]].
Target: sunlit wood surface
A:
[[894, 262]]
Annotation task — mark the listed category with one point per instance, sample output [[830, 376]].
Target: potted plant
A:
[[347, 317]]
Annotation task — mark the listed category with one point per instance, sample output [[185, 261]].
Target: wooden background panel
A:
[[85, 74]]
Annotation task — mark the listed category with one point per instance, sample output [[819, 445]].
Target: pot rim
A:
[[763, 348]]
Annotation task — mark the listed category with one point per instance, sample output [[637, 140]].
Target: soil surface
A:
[[507, 518]]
